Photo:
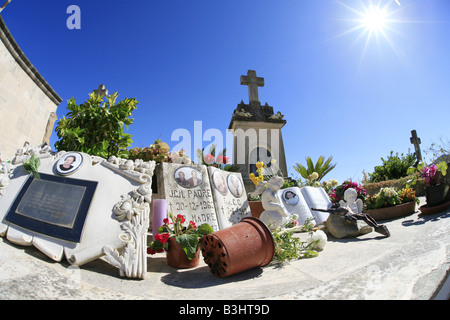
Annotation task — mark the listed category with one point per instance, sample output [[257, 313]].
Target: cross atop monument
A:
[[101, 91], [415, 140], [253, 82]]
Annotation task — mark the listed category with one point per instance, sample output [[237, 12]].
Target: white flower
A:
[[314, 176], [318, 238]]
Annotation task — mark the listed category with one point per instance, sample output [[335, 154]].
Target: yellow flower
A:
[[252, 176], [259, 164]]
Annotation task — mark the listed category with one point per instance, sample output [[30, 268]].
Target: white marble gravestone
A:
[[117, 216], [187, 191], [299, 201], [230, 197]]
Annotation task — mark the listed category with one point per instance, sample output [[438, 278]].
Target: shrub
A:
[[394, 167], [96, 127]]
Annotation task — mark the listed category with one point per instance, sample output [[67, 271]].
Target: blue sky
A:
[[343, 94]]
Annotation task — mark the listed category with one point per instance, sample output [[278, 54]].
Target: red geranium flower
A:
[[192, 224], [163, 237], [181, 218]]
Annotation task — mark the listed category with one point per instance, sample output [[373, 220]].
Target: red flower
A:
[[222, 159], [192, 224], [150, 251], [181, 218], [209, 159], [163, 237], [166, 221]]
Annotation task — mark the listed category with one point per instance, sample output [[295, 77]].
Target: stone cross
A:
[[101, 91], [415, 140], [253, 82]]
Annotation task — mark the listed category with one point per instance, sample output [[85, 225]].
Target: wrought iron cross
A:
[[415, 140]]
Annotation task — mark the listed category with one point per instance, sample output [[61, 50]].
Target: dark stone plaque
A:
[[53, 206]]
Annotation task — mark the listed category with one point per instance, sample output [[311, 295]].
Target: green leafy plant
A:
[[290, 247], [322, 167], [96, 127], [394, 167], [187, 236], [32, 166]]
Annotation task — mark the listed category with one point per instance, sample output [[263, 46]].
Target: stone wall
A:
[[27, 102]]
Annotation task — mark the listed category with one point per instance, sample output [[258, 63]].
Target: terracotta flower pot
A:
[[435, 195], [256, 208], [177, 258], [397, 211], [247, 244]]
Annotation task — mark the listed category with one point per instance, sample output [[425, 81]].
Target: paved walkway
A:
[[411, 264]]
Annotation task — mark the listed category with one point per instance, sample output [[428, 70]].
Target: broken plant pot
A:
[[177, 258], [246, 245]]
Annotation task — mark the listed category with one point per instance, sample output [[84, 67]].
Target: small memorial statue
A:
[[274, 214], [349, 215], [351, 201]]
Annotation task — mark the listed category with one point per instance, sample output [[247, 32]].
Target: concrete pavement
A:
[[411, 264]]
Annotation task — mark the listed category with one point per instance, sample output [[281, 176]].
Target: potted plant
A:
[[389, 203], [435, 191], [254, 202], [180, 241]]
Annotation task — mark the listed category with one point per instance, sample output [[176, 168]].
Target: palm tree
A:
[[321, 167]]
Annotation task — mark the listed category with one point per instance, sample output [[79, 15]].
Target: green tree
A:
[[322, 167], [96, 126]]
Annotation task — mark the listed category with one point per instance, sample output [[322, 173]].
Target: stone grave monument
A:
[[256, 132], [230, 198], [188, 192], [203, 194], [79, 207]]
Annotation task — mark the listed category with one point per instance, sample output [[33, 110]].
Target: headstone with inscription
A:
[[229, 195], [80, 207], [187, 190]]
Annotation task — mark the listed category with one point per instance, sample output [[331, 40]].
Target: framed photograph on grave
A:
[[220, 183], [290, 197], [188, 177], [235, 186], [68, 163], [54, 206]]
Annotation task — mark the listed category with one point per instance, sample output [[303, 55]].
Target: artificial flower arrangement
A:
[[388, 197], [187, 236], [264, 173]]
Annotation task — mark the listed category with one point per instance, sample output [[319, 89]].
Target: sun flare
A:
[[374, 19]]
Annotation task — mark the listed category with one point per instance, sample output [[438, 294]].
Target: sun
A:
[[372, 24], [374, 19]]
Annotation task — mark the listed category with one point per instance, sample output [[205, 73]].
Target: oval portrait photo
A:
[[69, 163], [235, 186], [219, 183], [290, 197], [188, 177]]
